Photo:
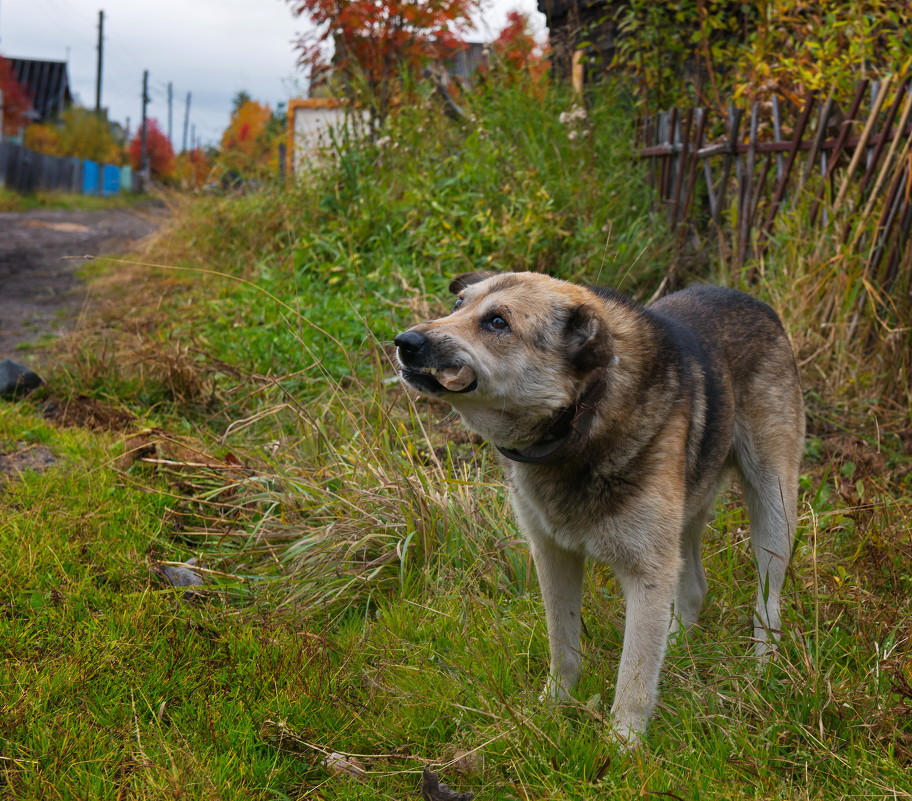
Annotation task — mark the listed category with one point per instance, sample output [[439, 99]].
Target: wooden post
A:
[[747, 185], [734, 123], [840, 144], [793, 153], [884, 135], [819, 136], [694, 158], [578, 72], [777, 130], [682, 166], [861, 147]]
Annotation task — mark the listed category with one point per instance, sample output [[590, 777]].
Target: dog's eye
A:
[[457, 304], [498, 324]]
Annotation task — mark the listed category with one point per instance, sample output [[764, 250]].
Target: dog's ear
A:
[[588, 340], [460, 282]]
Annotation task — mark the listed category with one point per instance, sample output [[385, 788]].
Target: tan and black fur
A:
[[617, 425]]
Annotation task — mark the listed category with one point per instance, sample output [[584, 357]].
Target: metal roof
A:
[[47, 84]]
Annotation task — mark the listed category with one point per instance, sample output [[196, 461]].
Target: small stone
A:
[[432, 789], [342, 765], [182, 575], [16, 380]]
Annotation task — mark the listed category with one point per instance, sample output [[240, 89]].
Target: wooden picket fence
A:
[[735, 175]]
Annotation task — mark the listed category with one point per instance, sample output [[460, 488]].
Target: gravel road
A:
[[40, 254]]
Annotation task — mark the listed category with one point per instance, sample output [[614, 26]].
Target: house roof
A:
[[47, 83]]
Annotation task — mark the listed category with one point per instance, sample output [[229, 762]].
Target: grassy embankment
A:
[[368, 594]]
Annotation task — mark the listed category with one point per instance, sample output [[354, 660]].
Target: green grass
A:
[[368, 592], [14, 201]]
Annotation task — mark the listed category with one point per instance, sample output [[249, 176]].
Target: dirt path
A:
[[40, 292]]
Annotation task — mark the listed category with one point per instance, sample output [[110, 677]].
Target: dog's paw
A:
[[628, 725], [628, 737], [765, 650], [554, 693]]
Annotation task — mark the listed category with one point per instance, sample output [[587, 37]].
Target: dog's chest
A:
[[582, 512]]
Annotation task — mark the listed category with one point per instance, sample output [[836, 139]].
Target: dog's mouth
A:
[[457, 378]]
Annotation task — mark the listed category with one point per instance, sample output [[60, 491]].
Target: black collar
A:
[[568, 434]]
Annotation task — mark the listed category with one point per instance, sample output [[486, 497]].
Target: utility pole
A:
[[100, 57], [170, 102], [143, 139], [186, 121]]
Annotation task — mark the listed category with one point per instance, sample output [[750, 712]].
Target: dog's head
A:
[[516, 350]]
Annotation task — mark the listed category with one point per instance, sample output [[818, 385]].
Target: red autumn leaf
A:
[[16, 102], [376, 41], [161, 154]]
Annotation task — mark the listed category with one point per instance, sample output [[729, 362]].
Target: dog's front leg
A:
[[646, 629], [560, 575]]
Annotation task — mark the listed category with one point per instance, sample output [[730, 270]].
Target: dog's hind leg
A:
[[770, 480], [691, 589], [560, 576]]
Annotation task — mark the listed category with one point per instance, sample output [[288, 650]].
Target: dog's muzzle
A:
[[419, 369]]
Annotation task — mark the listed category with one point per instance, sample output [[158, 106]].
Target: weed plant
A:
[[369, 607]]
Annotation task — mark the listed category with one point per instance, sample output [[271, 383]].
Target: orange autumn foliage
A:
[[193, 169], [43, 138], [246, 144], [377, 41]]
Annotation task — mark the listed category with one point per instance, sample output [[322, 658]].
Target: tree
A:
[[247, 146], [86, 135], [16, 102], [517, 49], [378, 42], [193, 168], [161, 155], [81, 133], [43, 138], [239, 99], [693, 51]]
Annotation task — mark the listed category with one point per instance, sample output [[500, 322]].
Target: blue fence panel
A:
[[110, 179], [126, 179], [90, 178]]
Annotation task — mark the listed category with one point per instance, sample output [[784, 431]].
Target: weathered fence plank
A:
[[840, 144], [732, 174]]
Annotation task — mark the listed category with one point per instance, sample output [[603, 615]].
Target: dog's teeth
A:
[[432, 370]]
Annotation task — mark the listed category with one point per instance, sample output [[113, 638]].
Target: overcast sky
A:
[[210, 48]]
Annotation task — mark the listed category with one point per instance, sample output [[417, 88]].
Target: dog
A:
[[617, 425]]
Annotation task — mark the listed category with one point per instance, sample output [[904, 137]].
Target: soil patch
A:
[[83, 412], [28, 457], [41, 252]]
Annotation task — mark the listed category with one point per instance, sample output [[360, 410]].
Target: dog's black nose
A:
[[410, 341]]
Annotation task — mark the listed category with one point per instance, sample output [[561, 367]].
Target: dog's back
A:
[[750, 381]]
